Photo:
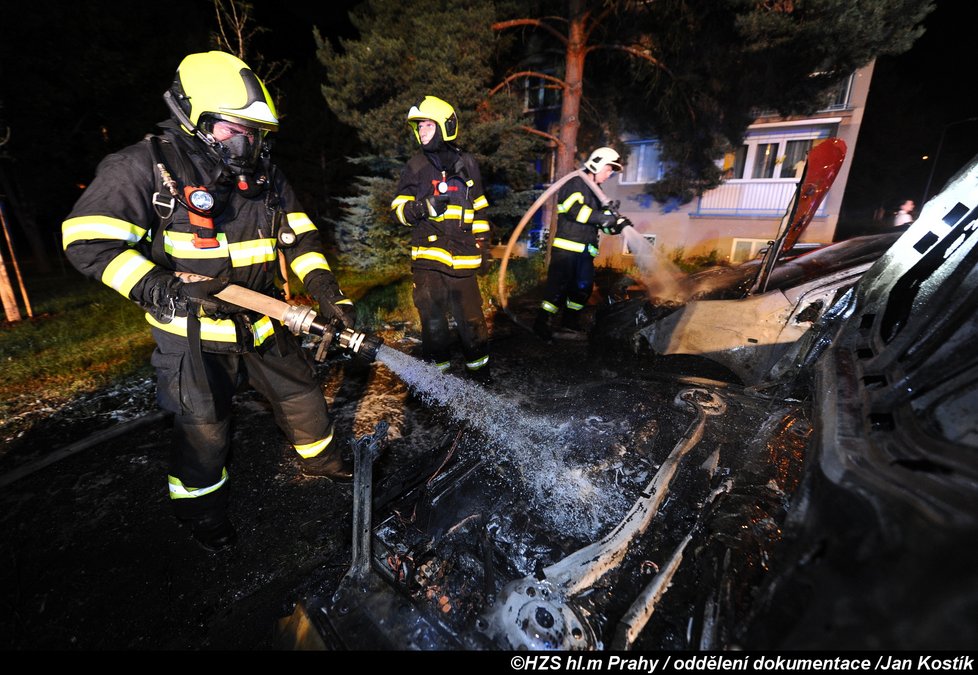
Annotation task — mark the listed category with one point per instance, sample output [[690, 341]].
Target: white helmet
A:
[[602, 157]]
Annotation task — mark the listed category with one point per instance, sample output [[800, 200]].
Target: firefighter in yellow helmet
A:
[[580, 215], [440, 196], [204, 198]]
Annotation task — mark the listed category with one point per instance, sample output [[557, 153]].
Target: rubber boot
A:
[[213, 533], [571, 320], [329, 464], [482, 375], [541, 327]]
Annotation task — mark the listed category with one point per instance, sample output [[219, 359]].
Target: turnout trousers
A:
[[570, 280], [438, 295], [198, 391]]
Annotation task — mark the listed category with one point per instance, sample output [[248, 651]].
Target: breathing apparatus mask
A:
[[240, 148]]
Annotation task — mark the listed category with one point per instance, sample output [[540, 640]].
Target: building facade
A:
[[738, 218]]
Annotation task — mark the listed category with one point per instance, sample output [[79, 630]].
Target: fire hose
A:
[[599, 193], [300, 319]]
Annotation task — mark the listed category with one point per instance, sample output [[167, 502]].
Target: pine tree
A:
[[406, 50]]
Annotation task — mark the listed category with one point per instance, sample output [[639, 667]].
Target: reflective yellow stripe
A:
[[180, 491], [459, 262], [99, 227], [584, 214], [126, 270], [310, 450], [573, 305], [307, 262], [344, 301], [262, 330], [478, 363], [300, 222], [480, 226], [480, 203], [401, 199], [215, 330], [549, 307], [565, 205], [439, 254], [181, 245], [568, 245], [253, 252]]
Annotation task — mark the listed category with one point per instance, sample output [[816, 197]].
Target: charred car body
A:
[[833, 505]]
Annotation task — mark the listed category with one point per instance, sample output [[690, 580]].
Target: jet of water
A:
[[659, 275], [535, 446]]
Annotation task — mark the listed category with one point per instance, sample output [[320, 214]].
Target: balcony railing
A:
[[763, 198]]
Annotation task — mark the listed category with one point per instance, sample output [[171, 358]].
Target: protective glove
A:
[[437, 205], [612, 224], [344, 313], [486, 266], [201, 294], [415, 212]]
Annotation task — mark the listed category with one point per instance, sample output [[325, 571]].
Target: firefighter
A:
[[203, 198], [440, 196], [580, 215]]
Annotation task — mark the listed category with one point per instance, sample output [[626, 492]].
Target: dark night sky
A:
[[912, 96]]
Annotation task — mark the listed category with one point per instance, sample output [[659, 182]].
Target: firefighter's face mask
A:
[[241, 145]]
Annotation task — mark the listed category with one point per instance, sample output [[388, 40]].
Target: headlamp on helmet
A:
[[601, 158], [439, 112]]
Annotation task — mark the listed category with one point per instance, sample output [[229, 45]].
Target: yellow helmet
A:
[[439, 112], [219, 85]]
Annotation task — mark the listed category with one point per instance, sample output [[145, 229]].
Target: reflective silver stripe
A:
[[307, 262], [99, 227], [180, 491], [125, 271], [478, 363], [584, 214], [215, 330], [443, 366], [253, 252], [480, 203], [549, 307], [181, 245], [310, 450], [593, 250], [479, 226], [300, 222], [568, 245], [574, 305], [438, 254]]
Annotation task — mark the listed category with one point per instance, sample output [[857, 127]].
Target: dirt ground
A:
[[93, 559]]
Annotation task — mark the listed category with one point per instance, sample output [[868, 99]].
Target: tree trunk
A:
[[7, 297], [570, 106]]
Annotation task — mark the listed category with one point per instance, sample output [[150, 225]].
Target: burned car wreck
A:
[[830, 502]]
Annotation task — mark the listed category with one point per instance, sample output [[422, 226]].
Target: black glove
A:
[[437, 205], [201, 294], [344, 313], [612, 224], [415, 211], [486, 266]]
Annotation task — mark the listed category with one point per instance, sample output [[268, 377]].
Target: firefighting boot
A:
[[541, 327], [482, 375], [571, 320], [329, 464], [213, 533]]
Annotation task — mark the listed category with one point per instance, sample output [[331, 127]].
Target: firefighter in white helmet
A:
[[580, 215]]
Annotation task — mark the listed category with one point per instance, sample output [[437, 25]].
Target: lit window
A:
[[642, 164]]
